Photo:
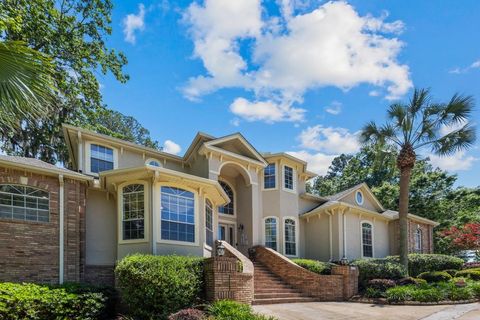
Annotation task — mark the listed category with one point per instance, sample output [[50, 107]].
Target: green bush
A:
[[381, 284], [460, 293], [232, 310], [419, 263], [451, 272], [475, 287], [157, 286], [411, 280], [315, 265], [372, 292], [399, 293], [32, 301], [188, 314], [473, 274], [378, 268], [427, 295], [435, 276]]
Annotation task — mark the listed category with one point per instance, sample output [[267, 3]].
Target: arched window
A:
[[271, 233], [290, 237], [153, 162], [178, 214], [133, 217], [230, 207], [209, 223], [367, 240], [23, 203], [418, 241]]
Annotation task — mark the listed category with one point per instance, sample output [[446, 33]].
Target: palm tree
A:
[[26, 85], [421, 125]]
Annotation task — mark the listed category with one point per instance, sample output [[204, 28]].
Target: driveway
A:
[[346, 310]]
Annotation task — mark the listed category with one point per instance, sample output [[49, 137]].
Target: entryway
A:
[[226, 232]]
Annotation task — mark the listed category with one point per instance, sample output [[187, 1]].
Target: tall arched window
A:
[[23, 203], [418, 240], [209, 223], [133, 217], [290, 237], [178, 214], [271, 233], [230, 207], [367, 240]]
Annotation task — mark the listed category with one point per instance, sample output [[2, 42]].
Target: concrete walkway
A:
[[347, 310]]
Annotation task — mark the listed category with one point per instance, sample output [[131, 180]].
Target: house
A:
[[121, 198]]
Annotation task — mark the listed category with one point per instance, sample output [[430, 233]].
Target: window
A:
[[178, 215], [269, 181], [101, 158], [290, 240], [359, 197], [23, 203], [229, 208], [153, 162], [209, 223], [418, 241], [288, 177], [133, 219], [367, 242], [271, 233]]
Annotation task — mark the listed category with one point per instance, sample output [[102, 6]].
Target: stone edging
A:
[[384, 301]]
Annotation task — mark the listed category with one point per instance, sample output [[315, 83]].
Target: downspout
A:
[[62, 231]]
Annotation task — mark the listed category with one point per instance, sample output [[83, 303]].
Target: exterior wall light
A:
[[220, 249]]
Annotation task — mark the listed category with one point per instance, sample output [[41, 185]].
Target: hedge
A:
[[435, 276], [37, 302], [315, 265], [378, 269], [418, 263], [232, 310], [473, 274], [157, 286]]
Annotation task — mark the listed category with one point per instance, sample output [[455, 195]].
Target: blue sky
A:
[[297, 76]]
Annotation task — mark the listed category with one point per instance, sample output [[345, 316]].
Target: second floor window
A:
[[101, 158], [229, 208], [269, 177], [288, 177]]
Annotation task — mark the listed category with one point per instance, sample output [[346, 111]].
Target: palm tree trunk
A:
[[405, 173]]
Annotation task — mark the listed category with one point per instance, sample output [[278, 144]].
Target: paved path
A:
[[359, 311]]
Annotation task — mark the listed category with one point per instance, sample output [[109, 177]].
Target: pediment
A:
[[236, 144]]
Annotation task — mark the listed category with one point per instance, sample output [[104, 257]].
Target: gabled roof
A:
[[364, 187], [394, 215]]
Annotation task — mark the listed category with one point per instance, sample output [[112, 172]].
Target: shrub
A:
[[374, 293], [381, 284], [459, 293], [188, 314], [473, 274], [378, 268], [475, 287], [451, 272], [470, 265], [435, 276], [399, 294], [419, 263], [410, 280], [31, 301], [427, 295], [315, 265], [156, 286], [232, 310]]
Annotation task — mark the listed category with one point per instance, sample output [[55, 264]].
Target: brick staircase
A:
[[270, 289]]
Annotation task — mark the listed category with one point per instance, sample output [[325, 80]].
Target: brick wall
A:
[[30, 250], [99, 275], [341, 285], [427, 237]]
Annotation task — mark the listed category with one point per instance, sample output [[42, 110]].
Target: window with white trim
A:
[[209, 223], [367, 240], [101, 158], [153, 162], [290, 237], [24, 203], [271, 233], [288, 177], [177, 214], [229, 208], [359, 197], [418, 240], [133, 217], [269, 177]]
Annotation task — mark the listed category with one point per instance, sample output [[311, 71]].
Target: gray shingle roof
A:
[[340, 194]]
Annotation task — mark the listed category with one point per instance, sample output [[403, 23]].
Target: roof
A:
[[394, 215], [33, 164], [343, 193]]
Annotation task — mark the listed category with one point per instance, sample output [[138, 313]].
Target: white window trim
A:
[[373, 238], [205, 245], [234, 215], [363, 197], [153, 159], [158, 190], [230, 223], [264, 236], [296, 236], [33, 187], [88, 156], [146, 223], [294, 173], [276, 178]]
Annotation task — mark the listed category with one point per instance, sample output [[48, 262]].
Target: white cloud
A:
[[267, 111], [334, 108], [458, 70], [476, 64], [328, 139], [457, 162], [171, 147], [374, 93], [235, 122], [317, 162], [331, 45], [444, 130], [133, 22]]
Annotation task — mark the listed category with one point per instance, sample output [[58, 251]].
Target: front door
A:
[[226, 232]]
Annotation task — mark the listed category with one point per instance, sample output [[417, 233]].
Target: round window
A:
[[359, 197]]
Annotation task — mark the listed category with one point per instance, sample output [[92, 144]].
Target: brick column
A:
[[350, 279]]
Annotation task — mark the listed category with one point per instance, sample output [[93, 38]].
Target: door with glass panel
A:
[[226, 232]]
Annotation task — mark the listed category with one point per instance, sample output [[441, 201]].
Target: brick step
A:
[[271, 295], [276, 290], [271, 285], [282, 300]]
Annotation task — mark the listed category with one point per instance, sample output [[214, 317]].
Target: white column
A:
[[61, 202]]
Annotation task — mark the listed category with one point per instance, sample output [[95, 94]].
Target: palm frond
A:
[[458, 109], [455, 141], [420, 99]]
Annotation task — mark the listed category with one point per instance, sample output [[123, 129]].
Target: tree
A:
[[73, 33], [465, 237], [417, 125]]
